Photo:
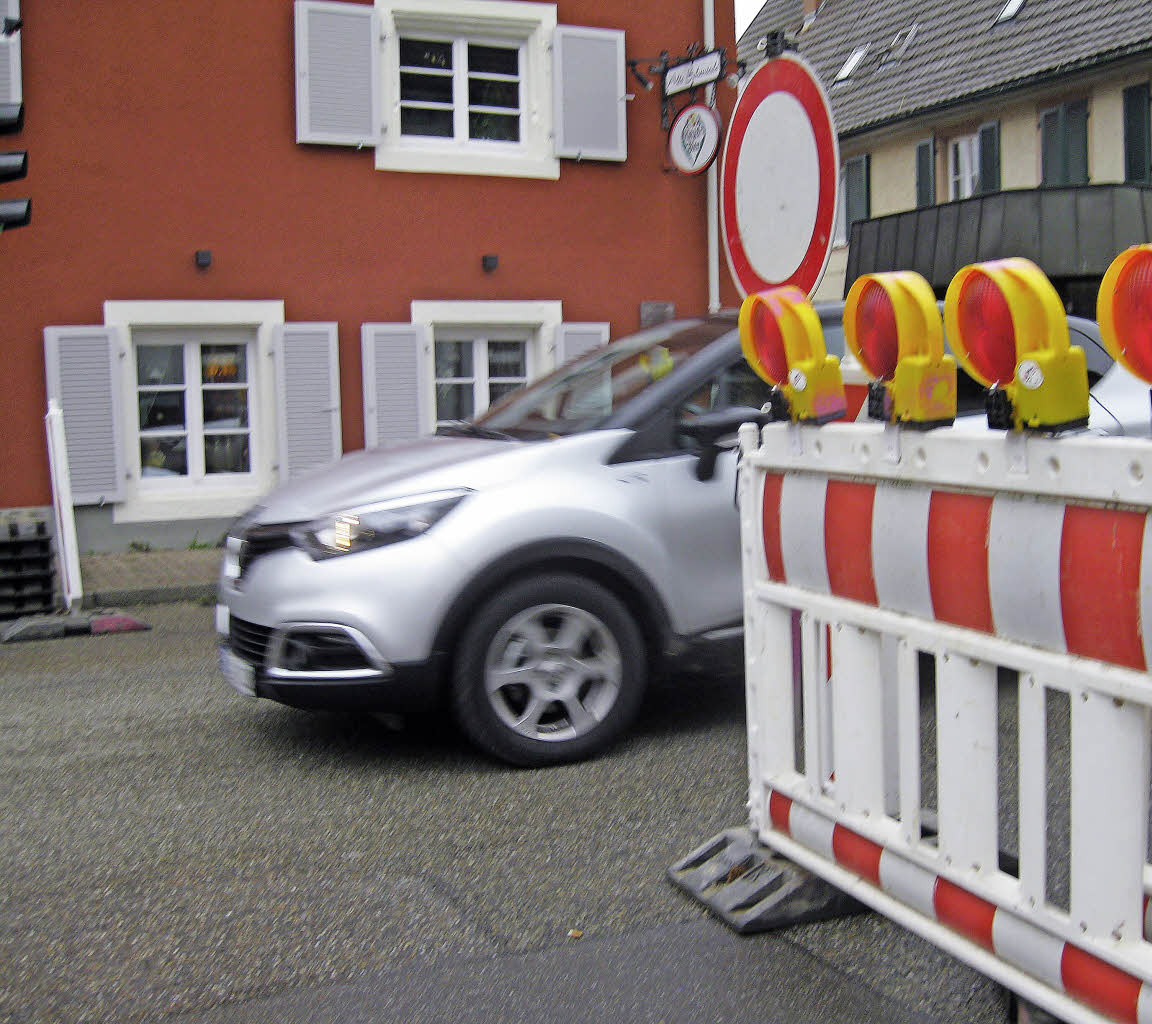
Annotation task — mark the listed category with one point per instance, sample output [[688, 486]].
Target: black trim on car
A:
[[412, 687]]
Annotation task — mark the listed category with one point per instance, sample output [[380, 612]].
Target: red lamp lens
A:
[[1132, 314], [985, 323], [768, 344], [876, 331]]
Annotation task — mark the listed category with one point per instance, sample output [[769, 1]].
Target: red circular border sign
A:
[[787, 73]]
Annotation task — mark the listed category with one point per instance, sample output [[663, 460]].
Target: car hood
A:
[[428, 464]]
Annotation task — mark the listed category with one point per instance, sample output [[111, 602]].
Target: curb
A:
[[150, 595]]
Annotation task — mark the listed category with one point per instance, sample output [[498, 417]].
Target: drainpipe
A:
[[713, 202]]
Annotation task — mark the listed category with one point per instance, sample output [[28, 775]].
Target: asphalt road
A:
[[170, 851]]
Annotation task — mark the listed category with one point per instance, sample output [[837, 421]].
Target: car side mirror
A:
[[709, 429]]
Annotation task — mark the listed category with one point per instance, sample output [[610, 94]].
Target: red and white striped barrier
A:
[[979, 553]]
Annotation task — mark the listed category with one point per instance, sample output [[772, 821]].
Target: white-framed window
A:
[[963, 166], [198, 423], [491, 87], [475, 368], [855, 201], [477, 352], [194, 418], [470, 87]]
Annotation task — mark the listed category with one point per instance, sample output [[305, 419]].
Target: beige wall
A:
[[1019, 147]]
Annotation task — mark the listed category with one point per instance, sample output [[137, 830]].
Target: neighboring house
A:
[[265, 233], [975, 129]]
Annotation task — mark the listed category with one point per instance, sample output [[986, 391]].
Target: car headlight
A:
[[376, 525]]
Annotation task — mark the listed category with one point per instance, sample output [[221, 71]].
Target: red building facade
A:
[[217, 305]]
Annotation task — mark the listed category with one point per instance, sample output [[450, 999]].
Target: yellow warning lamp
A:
[[783, 342], [1008, 328], [1124, 310], [892, 325]]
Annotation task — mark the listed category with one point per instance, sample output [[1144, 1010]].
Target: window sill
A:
[[189, 504], [459, 161]]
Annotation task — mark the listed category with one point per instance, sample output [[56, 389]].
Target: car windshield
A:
[[583, 394]]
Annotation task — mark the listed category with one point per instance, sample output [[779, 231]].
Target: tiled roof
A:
[[958, 51]]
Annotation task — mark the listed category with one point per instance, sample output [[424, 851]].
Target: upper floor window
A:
[[461, 90], [974, 162], [1064, 144], [855, 197], [460, 86]]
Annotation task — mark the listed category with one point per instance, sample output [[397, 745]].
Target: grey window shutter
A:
[[574, 339], [395, 370], [989, 158], [82, 369], [925, 173], [307, 397], [589, 93], [338, 80], [11, 79]]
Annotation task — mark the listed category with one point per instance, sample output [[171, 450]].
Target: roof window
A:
[[1009, 11], [851, 64], [901, 41]]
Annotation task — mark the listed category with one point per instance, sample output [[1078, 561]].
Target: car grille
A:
[[260, 541], [248, 640]]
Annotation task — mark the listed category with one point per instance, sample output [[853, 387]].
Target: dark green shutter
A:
[[925, 174], [1137, 135], [1076, 143], [856, 189], [989, 158]]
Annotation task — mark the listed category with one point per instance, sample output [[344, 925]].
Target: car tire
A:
[[550, 669]]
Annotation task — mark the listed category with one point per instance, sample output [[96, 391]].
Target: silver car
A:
[[529, 571]]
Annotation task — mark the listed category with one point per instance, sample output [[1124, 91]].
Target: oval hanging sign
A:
[[694, 139], [779, 179]]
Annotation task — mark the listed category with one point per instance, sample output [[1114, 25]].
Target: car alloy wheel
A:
[[553, 672], [551, 669]]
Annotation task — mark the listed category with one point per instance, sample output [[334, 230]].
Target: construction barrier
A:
[[946, 652]]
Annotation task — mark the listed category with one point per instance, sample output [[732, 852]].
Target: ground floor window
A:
[[475, 353], [193, 407], [475, 372]]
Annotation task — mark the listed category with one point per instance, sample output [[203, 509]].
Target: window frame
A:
[[215, 494], [193, 430], [536, 321], [964, 149], [528, 26], [480, 337], [843, 231]]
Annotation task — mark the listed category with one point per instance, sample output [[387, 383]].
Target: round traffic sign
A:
[[779, 179]]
